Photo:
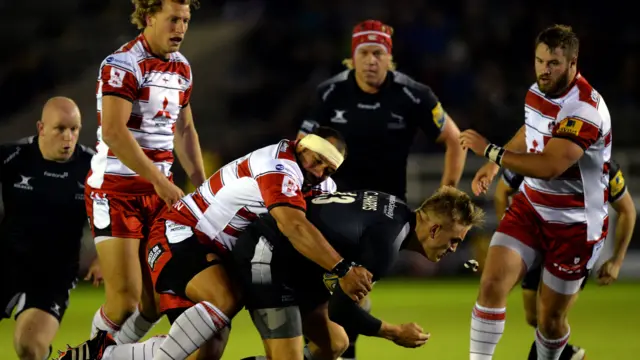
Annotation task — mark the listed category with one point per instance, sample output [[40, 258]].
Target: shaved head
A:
[[58, 128]]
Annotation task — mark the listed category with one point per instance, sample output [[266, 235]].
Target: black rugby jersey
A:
[[379, 128], [44, 208]]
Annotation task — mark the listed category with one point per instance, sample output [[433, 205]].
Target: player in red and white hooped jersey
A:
[[143, 94], [560, 217], [188, 242]]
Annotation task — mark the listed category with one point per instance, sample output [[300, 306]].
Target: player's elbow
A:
[[111, 132]]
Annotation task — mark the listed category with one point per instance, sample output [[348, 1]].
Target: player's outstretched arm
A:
[[454, 156], [310, 242], [187, 144], [348, 314]]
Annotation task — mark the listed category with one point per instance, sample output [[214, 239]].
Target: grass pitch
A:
[[606, 321]]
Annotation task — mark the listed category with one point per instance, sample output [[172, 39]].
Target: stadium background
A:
[[255, 66]]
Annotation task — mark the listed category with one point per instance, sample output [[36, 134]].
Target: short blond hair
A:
[[348, 63], [144, 8], [453, 204]]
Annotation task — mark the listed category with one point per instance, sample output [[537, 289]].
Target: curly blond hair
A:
[[453, 204], [144, 8]]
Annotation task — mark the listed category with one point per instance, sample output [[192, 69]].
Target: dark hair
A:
[[326, 132], [560, 36]]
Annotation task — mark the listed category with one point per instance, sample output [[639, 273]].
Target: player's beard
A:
[[555, 87]]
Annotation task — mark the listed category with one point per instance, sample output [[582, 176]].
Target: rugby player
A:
[[561, 215], [621, 201], [190, 244], [41, 226], [379, 111], [143, 92], [289, 296]]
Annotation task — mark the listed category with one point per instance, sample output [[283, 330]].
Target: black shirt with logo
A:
[[44, 208], [379, 128]]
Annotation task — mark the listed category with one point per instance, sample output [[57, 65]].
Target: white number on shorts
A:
[[338, 197]]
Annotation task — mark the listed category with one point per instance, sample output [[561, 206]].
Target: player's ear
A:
[[39, 126], [434, 230]]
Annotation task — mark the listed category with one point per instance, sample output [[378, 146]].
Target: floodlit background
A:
[[256, 64]]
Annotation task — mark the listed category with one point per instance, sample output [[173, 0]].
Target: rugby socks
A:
[[138, 351], [102, 322], [487, 326], [134, 329], [550, 349], [191, 330]]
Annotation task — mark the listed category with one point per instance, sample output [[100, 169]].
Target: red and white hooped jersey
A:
[[239, 192], [158, 89], [579, 195]]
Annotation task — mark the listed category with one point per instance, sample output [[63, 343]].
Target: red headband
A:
[[371, 32]]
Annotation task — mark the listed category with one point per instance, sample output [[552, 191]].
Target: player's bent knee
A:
[[339, 342], [531, 318], [31, 348]]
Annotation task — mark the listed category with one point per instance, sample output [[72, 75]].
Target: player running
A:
[[189, 244], [143, 93], [561, 215], [41, 226], [621, 201], [288, 295]]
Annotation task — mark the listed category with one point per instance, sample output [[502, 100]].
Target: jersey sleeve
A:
[[430, 114], [318, 113], [280, 186], [119, 76], [617, 185], [186, 98], [580, 123], [512, 179]]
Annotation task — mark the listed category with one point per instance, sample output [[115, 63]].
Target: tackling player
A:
[[288, 296], [189, 244], [561, 215], [41, 226], [621, 201], [143, 93]]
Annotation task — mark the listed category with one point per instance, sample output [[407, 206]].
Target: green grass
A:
[[605, 321]]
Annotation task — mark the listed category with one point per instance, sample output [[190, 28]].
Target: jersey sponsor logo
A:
[[369, 107], [398, 124], [154, 254], [116, 77], [437, 113], [370, 201], [12, 155], [55, 308], [569, 126], [279, 167], [112, 59], [410, 95], [390, 209], [58, 176], [339, 117], [616, 184], [176, 233], [289, 187], [24, 183]]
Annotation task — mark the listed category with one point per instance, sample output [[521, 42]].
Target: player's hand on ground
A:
[[608, 272], [484, 177], [168, 192], [470, 139], [94, 274], [356, 283], [411, 336]]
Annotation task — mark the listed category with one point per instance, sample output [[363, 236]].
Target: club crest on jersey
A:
[[339, 117], [570, 126], [289, 187], [330, 281]]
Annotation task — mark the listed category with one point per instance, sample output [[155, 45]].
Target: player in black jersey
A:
[[379, 111], [44, 216], [288, 296], [621, 201]]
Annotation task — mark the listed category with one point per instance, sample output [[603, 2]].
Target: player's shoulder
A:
[[179, 58], [328, 87], [86, 153], [125, 58], [11, 151], [278, 157], [614, 168], [414, 90]]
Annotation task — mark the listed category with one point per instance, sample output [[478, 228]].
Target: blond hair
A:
[[453, 204], [348, 63], [144, 8]]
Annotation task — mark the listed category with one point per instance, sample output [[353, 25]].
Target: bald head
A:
[[58, 128]]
